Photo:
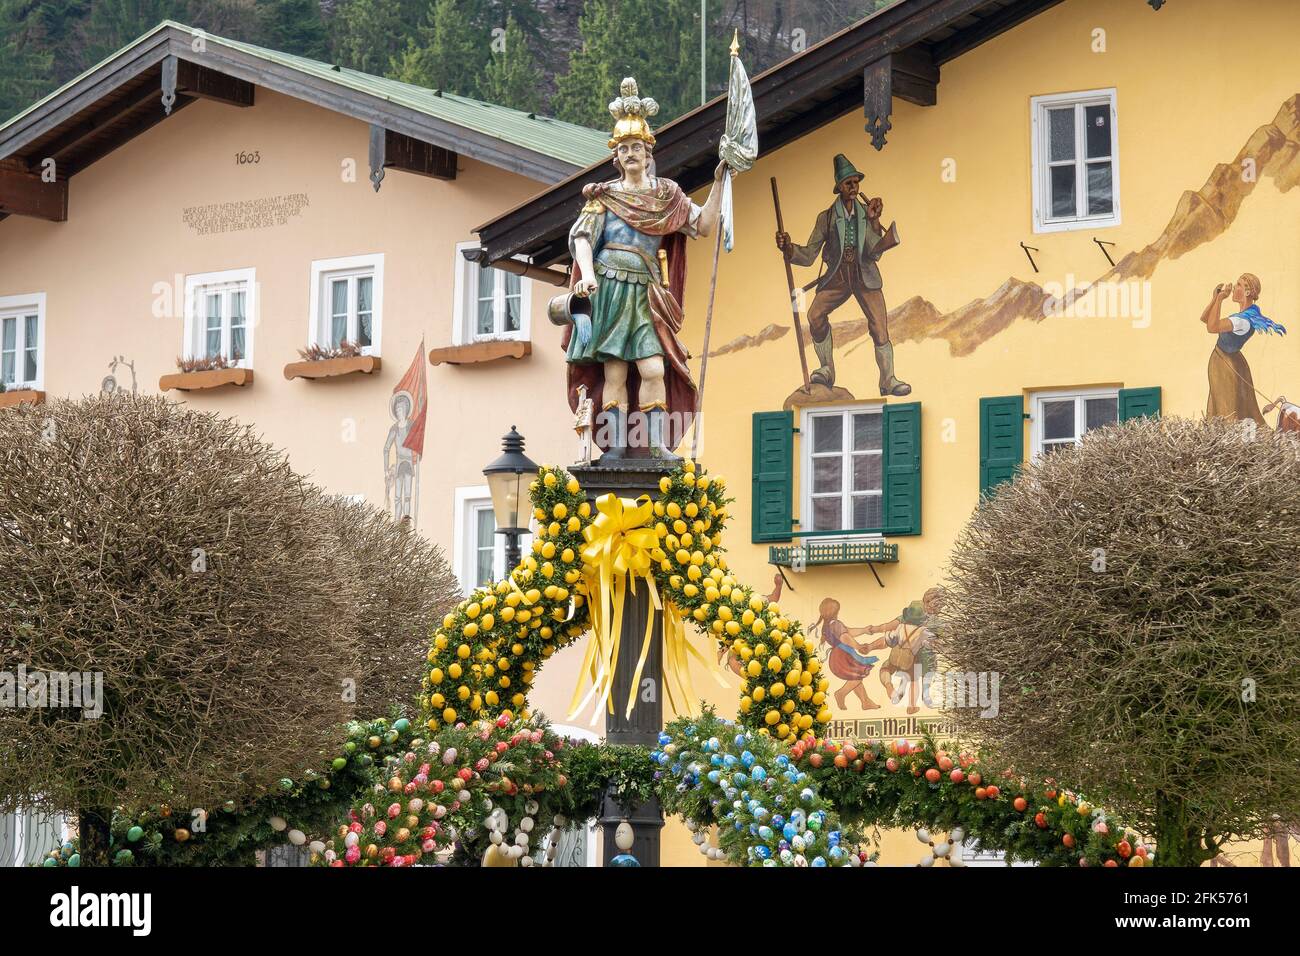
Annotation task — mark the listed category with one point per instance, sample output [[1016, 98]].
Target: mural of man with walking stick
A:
[[850, 240]]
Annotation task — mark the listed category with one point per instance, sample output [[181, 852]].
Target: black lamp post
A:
[[508, 478]]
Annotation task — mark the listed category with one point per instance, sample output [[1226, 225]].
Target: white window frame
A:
[[1041, 174], [203, 282], [845, 411], [471, 499], [19, 307], [466, 294], [972, 855], [324, 271], [1080, 395]]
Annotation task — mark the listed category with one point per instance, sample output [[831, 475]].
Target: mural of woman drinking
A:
[[908, 637], [1232, 388]]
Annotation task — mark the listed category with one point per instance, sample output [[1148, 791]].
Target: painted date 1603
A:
[[243, 159]]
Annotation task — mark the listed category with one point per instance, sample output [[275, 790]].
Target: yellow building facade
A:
[[1183, 167]]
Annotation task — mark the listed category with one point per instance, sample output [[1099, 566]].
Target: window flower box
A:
[[212, 378], [333, 367], [21, 396], [479, 352]]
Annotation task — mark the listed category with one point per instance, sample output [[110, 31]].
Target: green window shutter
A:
[[1139, 403], [902, 478], [773, 468], [1002, 440]]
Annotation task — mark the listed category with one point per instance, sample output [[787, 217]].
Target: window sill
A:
[[334, 367], [1074, 225], [477, 353], [21, 396], [841, 551], [213, 378]]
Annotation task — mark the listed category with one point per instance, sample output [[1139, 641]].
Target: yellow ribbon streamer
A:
[[618, 547], [617, 554]]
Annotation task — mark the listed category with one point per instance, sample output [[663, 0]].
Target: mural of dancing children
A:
[[849, 660], [908, 638], [1232, 388]]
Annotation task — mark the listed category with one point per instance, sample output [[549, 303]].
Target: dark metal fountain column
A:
[[631, 478]]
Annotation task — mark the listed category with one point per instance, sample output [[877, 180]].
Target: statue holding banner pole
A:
[[622, 318], [624, 312], [738, 149]]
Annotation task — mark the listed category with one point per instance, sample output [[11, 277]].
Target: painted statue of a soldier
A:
[[628, 248], [850, 240]]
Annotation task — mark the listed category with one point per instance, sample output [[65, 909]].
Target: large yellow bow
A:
[[617, 553]]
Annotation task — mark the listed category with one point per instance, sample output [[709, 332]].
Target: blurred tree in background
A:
[[511, 76], [559, 57]]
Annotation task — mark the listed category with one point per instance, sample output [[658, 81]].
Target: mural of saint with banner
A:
[[408, 407]]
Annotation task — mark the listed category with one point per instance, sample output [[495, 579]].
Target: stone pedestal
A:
[[632, 478]]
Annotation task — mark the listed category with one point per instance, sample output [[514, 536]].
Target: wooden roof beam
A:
[[25, 194], [94, 123], [181, 79], [207, 84], [990, 26], [390, 149], [146, 119]]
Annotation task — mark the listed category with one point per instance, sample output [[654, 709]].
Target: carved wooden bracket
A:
[[377, 150], [910, 75], [169, 69], [878, 99]]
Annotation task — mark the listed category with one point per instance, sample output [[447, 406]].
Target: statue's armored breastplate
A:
[[623, 263]]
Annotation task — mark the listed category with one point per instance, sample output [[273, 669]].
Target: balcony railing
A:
[[863, 551]]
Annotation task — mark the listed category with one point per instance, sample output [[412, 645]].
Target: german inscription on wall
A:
[[244, 214]]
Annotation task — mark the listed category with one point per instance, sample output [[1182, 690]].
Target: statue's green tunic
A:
[[621, 324], [633, 316]]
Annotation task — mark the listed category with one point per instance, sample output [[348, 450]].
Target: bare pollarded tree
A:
[[180, 571], [404, 587], [1140, 598]]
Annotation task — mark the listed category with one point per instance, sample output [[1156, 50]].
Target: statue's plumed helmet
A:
[[631, 114]]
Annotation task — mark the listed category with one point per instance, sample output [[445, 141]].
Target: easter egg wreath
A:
[[488, 651]]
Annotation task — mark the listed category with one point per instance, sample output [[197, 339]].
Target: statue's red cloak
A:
[[661, 212]]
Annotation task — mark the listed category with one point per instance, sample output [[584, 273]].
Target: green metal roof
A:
[[567, 142]]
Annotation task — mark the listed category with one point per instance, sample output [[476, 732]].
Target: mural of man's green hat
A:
[[914, 614], [844, 170]]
